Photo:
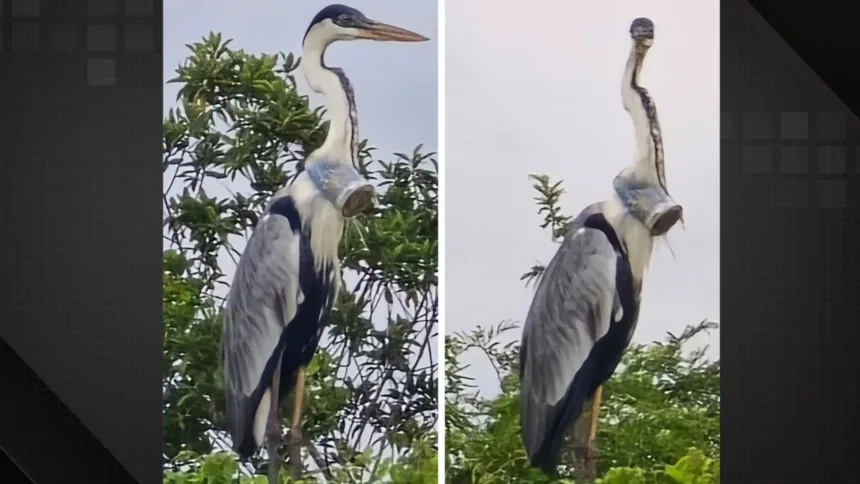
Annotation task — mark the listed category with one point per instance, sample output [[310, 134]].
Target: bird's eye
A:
[[344, 20]]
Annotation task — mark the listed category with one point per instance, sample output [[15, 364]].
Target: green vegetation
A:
[[240, 127]]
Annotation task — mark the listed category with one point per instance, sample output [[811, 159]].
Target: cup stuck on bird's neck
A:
[[357, 200], [343, 186], [650, 204], [664, 217]]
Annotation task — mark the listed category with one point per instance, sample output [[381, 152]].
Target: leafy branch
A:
[[548, 201]]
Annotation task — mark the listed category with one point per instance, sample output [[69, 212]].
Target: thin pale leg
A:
[[296, 426], [591, 448], [595, 412], [274, 437]]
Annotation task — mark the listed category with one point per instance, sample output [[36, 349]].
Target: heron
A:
[[586, 305], [288, 276]]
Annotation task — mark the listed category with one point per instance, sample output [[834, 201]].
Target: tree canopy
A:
[[239, 130]]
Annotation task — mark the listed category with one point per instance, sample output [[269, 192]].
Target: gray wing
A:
[[262, 300], [571, 310]]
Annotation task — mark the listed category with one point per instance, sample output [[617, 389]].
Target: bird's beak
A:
[[379, 31]]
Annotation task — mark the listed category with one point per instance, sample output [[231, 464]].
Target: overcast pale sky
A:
[[536, 88]]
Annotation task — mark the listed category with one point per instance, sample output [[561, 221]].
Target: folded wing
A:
[[570, 312], [262, 300]]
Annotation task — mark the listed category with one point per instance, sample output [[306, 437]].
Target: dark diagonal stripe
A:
[[825, 41], [43, 437], [10, 470]]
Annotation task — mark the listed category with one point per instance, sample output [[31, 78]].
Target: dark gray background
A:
[[790, 338], [80, 91]]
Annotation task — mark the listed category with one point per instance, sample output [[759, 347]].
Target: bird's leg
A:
[[591, 448], [296, 426], [274, 437], [578, 450]]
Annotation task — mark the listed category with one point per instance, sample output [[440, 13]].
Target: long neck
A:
[[341, 143], [635, 236], [649, 165]]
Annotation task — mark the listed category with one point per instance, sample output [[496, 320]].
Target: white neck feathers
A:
[[319, 217], [648, 159], [633, 234], [342, 132]]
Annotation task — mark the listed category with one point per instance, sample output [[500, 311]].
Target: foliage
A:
[[659, 417], [420, 467], [240, 127]]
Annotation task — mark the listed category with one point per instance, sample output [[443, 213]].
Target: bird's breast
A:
[[639, 244]]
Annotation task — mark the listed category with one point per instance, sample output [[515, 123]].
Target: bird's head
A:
[[642, 32], [339, 22]]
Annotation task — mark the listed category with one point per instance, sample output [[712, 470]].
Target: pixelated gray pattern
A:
[[793, 194], [139, 38], [794, 126], [757, 159], [757, 126], [111, 26], [798, 158], [99, 46], [25, 38], [138, 8], [101, 38], [26, 8], [807, 155], [794, 159], [832, 126], [782, 232], [64, 38], [727, 125], [102, 8], [832, 160], [832, 194], [101, 72]]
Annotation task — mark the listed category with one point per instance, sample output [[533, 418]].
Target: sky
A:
[[536, 88]]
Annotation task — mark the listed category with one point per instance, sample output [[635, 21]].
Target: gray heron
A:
[[288, 277], [586, 305]]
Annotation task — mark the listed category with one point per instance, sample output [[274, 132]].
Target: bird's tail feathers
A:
[[560, 423], [239, 427]]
